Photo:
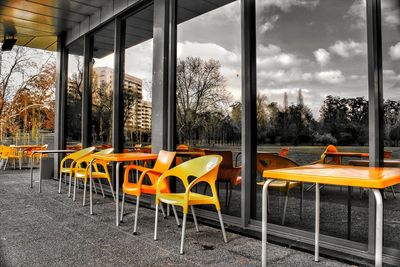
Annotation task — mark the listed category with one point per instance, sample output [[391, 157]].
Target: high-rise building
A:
[[140, 113]]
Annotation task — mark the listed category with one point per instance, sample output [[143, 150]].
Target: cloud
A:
[[348, 48], [330, 76], [391, 13], [269, 24], [322, 56], [390, 75], [286, 5], [272, 57], [394, 51], [357, 13]]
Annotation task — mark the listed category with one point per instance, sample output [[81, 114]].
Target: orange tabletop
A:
[[369, 177], [393, 163], [124, 156], [347, 154]]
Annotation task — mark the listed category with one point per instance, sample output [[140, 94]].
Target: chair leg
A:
[[136, 215], [59, 183], [122, 207], [301, 200], [84, 192], [75, 180], [70, 184], [155, 223], [65, 178], [222, 226], [162, 210], [205, 189], [183, 232], [285, 207], [393, 192], [176, 216], [101, 188], [111, 187], [94, 187], [195, 218]]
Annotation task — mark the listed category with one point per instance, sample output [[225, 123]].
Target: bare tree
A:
[[200, 90]]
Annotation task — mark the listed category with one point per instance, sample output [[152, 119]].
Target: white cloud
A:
[[394, 51], [269, 24], [348, 48], [272, 57], [357, 13], [390, 75], [330, 76], [286, 5], [391, 13], [322, 56]]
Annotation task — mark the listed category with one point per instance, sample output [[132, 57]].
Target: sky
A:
[[318, 46]]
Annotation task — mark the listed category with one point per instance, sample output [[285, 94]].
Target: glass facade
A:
[[138, 79], [312, 91], [74, 94], [208, 94], [391, 105], [102, 85]]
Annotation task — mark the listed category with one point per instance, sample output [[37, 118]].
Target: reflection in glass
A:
[[312, 92], [208, 94]]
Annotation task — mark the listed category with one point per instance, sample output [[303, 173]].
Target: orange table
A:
[[118, 158], [374, 178]]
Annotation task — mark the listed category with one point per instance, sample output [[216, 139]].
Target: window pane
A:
[[102, 85], [74, 94], [312, 92], [391, 94], [209, 92], [138, 79]]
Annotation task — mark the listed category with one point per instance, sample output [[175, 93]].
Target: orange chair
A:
[[163, 163], [11, 153], [227, 173], [268, 161], [284, 151], [182, 148]]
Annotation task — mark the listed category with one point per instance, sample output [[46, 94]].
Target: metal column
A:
[[161, 75], [375, 96], [249, 114], [61, 98], [87, 91]]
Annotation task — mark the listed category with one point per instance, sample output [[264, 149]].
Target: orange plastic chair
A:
[[227, 173], [205, 169], [182, 147], [268, 161], [163, 163], [68, 163], [284, 151], [82, 171]]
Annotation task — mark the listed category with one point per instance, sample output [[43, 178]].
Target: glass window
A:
[[209, 92], [102, 85], [391, 93], [138, 79], [74, 94], [312, 92]]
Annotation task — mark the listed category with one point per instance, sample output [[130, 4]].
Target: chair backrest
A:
[[199, 167], [105, 151], [227, 161], [182, 147], [164, 161], [284, 151], [268, 161], [81, 153], [331, 148]]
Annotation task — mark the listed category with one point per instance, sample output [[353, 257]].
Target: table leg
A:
[[350, 190], [264, 222], [32, 169], [117, 193], [40, 174], [317, 221], [90, 186], [378, 227]]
